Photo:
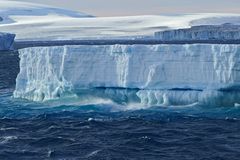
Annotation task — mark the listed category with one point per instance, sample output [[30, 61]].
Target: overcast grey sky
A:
[[139, 7]]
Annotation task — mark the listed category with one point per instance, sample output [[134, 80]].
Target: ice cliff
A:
[[147, 74], [204, 32], [6, 41]]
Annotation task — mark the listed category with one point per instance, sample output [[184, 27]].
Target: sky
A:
[[144, 7]]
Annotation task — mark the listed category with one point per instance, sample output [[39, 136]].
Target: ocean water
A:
[[107, 131]]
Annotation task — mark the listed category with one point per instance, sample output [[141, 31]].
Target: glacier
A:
[[6, 41], [9, 9], [163, 74]]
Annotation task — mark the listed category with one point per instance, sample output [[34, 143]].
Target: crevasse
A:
[[147, 74]]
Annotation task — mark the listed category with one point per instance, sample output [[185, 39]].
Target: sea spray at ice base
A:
[[109, 131], [206, 74], [100, 131]]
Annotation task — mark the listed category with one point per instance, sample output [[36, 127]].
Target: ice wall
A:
[[149, 74], [205, 32], [6, 41]]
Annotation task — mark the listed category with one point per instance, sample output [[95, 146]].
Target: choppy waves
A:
[[103, 129], [93, 132]]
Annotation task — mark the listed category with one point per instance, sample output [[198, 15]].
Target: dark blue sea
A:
[[53, 131]]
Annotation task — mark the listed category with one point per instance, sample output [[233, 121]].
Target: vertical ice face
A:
[[222, 32], [6, 41], [41, 76], [52, 72], [188, 97], [227, 68], [121, 55]]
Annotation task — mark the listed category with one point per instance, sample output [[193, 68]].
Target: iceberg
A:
[[6, 41], [161, 74]]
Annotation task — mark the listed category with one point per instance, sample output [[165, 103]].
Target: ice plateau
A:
[[146, 74], [39, 22]]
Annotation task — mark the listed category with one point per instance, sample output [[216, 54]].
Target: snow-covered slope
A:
[[6, 41], [37, 22], [148, 71], [9, 9]]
